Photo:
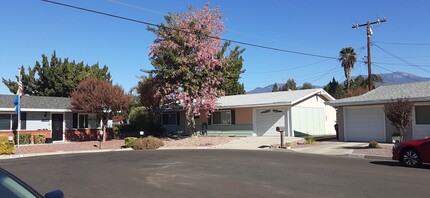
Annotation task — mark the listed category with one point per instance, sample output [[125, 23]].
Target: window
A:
[[5, 121], [93, 123], [15, 121], [169, 118], [422, 114], [83, 121], [221, 117], [75, 121]]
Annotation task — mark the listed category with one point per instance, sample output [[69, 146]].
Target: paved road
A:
[[218, 173]]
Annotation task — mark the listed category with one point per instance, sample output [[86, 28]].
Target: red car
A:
[[412, 153]]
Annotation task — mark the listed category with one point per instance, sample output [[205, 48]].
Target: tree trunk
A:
[[104, 129], [191, 123], [402, 133]]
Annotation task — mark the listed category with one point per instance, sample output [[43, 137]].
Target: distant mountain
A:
[[400, 78], [265, 89], [389, 79]]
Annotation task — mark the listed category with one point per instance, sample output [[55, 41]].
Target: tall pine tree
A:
[[275, 87], [232, 70], [56, 77]]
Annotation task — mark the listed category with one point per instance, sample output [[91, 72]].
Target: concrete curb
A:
[[363, 156], [5, 157]]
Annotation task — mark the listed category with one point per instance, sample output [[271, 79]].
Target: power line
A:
[[376, 68], [400, 74], [383, 57], [280, 70], [315, 75], [401, 59], [421, 65], [212, 37], [368, 26], [394, 43], [325, 74]]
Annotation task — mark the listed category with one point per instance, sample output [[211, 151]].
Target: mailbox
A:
[[280, 129]]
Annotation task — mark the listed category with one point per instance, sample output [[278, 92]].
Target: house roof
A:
[[415, 92], [35, 103], [269, 99]]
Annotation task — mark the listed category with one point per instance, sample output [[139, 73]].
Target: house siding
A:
[[341, 121], [412, 132], [244, 116], [241, 127], [38, 121], [312, 116]]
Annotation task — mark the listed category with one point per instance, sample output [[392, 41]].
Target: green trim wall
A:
[[229, 130]]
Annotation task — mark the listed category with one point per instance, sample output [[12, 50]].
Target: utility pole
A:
[[369, 34]]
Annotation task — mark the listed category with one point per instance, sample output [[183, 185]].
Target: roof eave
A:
[[254, 105], [375, 102]]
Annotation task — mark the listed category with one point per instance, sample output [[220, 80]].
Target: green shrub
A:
[[123, 128], [23, 139], [373, 144], [129, 141], [39, 139], [4, 139], [288, 144], [139, 119], [148, 143], [309, 139], [7, 148]]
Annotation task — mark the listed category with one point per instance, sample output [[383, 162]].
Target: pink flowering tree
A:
[[187, 68]]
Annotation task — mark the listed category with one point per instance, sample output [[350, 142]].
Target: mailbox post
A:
[[281, 130], [100, 138]]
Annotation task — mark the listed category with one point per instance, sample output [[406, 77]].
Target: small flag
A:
[[19, 93]]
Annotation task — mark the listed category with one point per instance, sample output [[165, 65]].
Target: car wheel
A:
[[411, 157]]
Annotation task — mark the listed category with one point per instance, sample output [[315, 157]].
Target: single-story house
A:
[[50, 116], [362, 118], [301, 112]]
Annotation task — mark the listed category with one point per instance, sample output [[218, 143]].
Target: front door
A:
[[57, 127]]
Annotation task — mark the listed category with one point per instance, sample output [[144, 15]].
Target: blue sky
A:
[[31, 28]]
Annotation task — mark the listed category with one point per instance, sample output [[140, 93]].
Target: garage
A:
[[268, 120], [365, 124]]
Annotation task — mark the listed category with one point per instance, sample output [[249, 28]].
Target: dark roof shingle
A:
[[35, 102]]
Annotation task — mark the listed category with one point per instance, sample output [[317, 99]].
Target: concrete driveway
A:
[[256, 143], [332, 148]]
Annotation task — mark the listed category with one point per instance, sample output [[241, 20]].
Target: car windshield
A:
[[11, 188]]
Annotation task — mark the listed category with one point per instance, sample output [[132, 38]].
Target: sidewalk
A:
[[255, 143], [65, 148], [352, 149]]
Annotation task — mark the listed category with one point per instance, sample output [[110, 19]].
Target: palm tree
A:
[[347, 57]]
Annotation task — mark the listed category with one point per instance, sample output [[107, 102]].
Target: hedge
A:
[[4, 139], [39, 139], [7, 148], [129, 141], [148, 143], [23, 139]]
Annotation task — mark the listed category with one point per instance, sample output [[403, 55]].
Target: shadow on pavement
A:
[[354, 147], [395, 163]]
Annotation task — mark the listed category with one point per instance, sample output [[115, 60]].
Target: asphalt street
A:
[[218, 173]]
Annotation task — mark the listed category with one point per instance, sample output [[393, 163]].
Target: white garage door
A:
[[365, 124], [268, 120]]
